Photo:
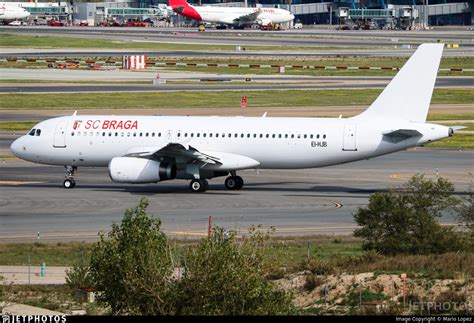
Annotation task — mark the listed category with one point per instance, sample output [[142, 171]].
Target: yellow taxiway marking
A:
[[395, 176], [14, 183]]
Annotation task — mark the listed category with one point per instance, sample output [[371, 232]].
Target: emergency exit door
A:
[[349, 139], [60, 135]]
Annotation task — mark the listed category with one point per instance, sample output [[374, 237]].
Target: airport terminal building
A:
[[356, 14]]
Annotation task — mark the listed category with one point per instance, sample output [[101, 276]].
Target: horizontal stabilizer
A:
[[400, 134], [457, 128]]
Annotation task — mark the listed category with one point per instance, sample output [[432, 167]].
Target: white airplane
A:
[[12, 12], [150, 149], [238, 16]]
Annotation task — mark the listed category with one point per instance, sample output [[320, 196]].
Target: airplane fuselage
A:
[[279, 143]]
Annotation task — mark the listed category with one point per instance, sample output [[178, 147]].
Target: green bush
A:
[[134, 272], [224, 276], [403, 220]]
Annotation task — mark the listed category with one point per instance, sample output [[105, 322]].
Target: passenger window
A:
[[38, 132], [185, 134], [317, 136], [305, 136], [324, 136], [204, 135], [235, 135], [90, 134], [110, 134], [286, 135], [217, 135], [103, 134], [78, 133], [159, 134], [311, 136], [198, 134], [279, 136], [141, 134], [267, 135], [248, 135], [128, 134], [192, 135], [32, 132], [152, 134], [241, 135], [292, 136], [210, 135], [273, 136], [122, 134], [261, 135], [146, 135], [255, 135], [179, 134], [72, 133], [230, 135]]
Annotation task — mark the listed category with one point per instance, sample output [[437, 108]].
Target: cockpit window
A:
[[38, 132], [32, 132]]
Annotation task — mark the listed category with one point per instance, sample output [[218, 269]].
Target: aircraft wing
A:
[[184, 154], [248, 17], [173, 150]]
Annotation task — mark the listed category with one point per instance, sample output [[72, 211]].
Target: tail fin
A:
[[177, 3], [408, 95]]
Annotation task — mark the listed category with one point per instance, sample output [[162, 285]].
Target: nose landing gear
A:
[[69, 181]]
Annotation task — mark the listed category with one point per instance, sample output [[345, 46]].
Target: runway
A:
[[296, 202]]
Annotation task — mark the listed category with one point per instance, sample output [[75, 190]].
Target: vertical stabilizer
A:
[[408, 95]]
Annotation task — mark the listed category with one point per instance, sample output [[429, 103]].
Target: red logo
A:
[[76, 124]]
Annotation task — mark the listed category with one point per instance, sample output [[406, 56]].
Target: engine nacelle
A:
[[264, 22], [140, 170]]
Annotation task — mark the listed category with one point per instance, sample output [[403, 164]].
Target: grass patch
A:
[[458, 141], [445, 116], [17, 126], [16, 40], [53, 254], [322, 255], [217, 99]]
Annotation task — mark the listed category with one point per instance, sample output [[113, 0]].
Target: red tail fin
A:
[[177, 3]]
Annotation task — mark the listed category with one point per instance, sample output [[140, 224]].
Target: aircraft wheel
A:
[[69, 183], [234, 182], [198, 185]]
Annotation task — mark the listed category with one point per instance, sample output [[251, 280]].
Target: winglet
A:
[[408, 95], [264, 115], [75, 113]]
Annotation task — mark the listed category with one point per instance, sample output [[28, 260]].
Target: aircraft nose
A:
[[16, 147]]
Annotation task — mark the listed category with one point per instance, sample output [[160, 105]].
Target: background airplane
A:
[[150, 149], [237, 16], [9, 12]]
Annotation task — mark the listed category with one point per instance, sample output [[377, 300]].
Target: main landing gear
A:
[[199, 185], [69, 181], [232, 182]]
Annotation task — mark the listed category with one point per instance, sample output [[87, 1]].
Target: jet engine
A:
[[264, 22], [140, 170]]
